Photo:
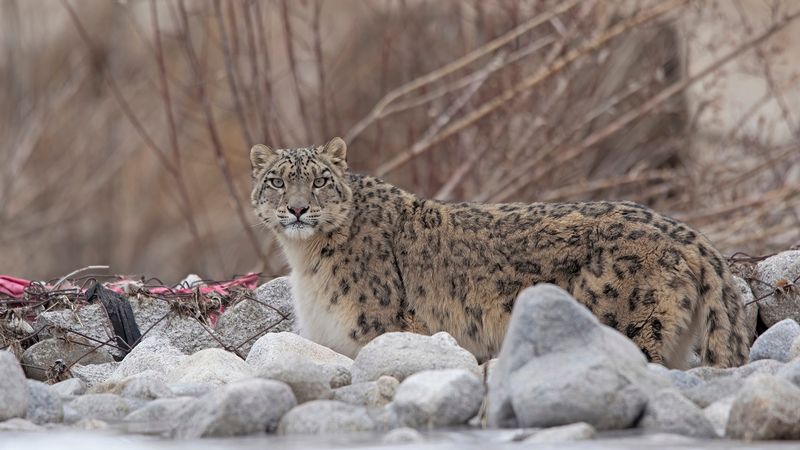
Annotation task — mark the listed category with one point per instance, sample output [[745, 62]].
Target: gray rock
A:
[[157, 417], [105, 407], [554, 390], [18, 424], [44, 404], [437, 398], [212, 365], [92, 374], [279, 352], [309, 381], [72, 386], [794, 350], [13, 388], [147, 385], [791, 372], [712, 391], [773, 308], [751, 306], [242, 407], [776, 342], [149, 311], [326, 416], [192, 389], [90, 320], [718, 412], [559, 365], [681, 379], [43, 354], [402, 435], [765, 408], [186, 334], [273, 309], [400, 355], [372, 394], [707, 373], [768, 366], [155, 352], [669, 412], [90, 425], [566, 433]]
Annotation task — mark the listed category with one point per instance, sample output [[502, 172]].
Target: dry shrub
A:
[[125, 127]]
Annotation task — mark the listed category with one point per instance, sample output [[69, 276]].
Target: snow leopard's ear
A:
[[336, 150], [259, 155]]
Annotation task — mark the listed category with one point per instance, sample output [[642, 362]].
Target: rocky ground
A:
[[561, 376]]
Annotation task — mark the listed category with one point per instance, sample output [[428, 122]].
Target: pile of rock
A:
[[561, 375]]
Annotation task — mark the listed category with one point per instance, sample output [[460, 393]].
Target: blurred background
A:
[[125, 126]]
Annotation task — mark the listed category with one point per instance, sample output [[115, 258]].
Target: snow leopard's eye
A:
[[277, 183], [320, 182]]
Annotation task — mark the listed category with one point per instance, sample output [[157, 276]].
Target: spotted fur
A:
[[368, 258]]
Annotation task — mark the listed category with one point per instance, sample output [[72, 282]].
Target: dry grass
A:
[[125, 127]]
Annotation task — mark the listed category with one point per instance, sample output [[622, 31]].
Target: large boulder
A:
[[774, 272], [402, 354], [272, 310], [13, 388], [559, 365]]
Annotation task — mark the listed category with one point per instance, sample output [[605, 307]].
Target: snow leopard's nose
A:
[[297, 211]]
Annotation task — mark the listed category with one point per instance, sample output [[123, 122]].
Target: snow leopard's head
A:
[[303, 191]]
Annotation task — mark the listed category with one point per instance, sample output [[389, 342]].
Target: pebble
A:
[[239, 408], [373, 394], [765, 408], [776, 342], [580, 431], [72, 386], [105, 407], [325, 417], [669, 412], [44, 404], [437, 398]]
